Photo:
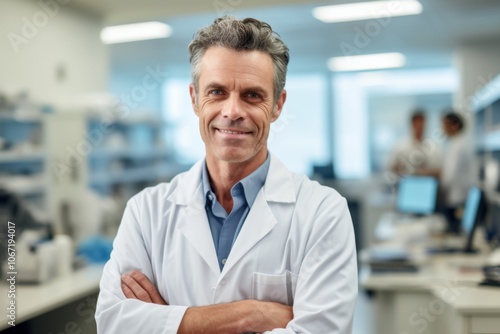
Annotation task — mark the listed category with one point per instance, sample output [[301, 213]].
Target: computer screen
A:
[[472, 213], [471, 209], [417, 195]]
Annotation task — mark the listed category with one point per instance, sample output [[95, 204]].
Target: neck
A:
[[224, 175]]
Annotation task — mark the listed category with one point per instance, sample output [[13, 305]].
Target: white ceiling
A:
[[428, 40]]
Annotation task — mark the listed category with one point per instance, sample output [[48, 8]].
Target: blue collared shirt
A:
[[225, 227]]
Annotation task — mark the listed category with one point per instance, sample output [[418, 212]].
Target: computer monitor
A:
[[417, 195], [475, 207], [473, 211]]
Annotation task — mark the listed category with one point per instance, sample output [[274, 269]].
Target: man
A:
[[458, 173], [415, 156], [238, 243]]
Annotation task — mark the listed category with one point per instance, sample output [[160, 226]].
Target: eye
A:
[[253, 95], [215, 92]]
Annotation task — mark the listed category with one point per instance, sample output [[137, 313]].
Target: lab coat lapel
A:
[[193, 222], [261, 220]]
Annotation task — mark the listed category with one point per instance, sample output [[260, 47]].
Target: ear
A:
[[279, 106], [192, 93]]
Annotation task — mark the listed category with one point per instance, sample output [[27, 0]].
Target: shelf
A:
[[20, 118], [491, 140], [24, 185], [15, 157], [139, 174], [488, 94], [109, 153], [132, 120]]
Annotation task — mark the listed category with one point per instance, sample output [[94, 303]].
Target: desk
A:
[[443, 297], [35, 300]]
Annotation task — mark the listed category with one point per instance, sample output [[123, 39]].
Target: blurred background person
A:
[[415, 155], [457, 175]]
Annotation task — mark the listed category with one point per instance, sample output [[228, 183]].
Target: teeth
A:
[[231, 132]]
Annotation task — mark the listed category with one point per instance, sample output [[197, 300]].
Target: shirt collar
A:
[[251, 184]]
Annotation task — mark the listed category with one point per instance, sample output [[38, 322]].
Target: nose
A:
[[233, 108]]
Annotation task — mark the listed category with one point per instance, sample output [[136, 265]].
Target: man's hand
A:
[[237, 317], [137, 286], [278, 315], [269, 315], [241, 316]]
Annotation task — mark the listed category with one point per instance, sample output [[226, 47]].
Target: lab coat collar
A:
[[277, 188], [193, 223]]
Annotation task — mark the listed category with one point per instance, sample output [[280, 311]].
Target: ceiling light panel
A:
[[135, 32], [367, 62], [367, 10]]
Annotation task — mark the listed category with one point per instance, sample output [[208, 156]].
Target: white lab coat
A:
[[413, 155], [296, 247], [459, 171]]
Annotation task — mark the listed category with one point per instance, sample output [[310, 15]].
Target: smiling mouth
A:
[[233, 132]]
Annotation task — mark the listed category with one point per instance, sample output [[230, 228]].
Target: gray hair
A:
[[241, 35]]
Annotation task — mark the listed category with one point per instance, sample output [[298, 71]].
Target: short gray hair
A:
[[241, 35]]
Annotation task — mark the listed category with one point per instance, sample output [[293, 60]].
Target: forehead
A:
[[227, 65]]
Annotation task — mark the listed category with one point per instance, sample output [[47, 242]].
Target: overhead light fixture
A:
[[367, 62], [367, 10], [135, 32]]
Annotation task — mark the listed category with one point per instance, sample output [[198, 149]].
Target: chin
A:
[[235, 158], [234, 155]]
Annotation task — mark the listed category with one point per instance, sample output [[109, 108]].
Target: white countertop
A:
[[34, 300]]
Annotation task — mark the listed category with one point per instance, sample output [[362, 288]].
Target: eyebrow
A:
[[213, 85], [216, 85]]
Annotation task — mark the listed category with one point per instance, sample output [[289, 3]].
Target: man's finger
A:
[[136, 289], [127, 292], [146, 284]]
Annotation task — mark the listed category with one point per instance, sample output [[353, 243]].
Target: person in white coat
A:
[[238, 243], [459, 170], [416, 155]]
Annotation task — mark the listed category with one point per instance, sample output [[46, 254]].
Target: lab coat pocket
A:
[[274, 288]]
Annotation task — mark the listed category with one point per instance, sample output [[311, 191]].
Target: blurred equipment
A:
[[324, 172], [417, 195], [491, 276], [475, 207], [491, 175], [37, 257]]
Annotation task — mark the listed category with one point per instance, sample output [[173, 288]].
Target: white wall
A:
[[478, 63], [50, 49]]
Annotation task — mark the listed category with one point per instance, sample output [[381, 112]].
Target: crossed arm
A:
[[236, 317]]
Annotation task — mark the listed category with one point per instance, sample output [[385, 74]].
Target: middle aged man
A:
[[238, 243]]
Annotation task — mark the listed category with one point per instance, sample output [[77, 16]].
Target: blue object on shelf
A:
[[95, 249]]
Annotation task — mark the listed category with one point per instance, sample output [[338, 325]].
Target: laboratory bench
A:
[[62, 305]]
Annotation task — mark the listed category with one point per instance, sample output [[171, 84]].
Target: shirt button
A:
[[210, 197], [224, 261]]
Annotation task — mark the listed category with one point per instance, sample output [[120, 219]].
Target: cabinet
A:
[[487, 108], [487, 131], [129, 153], [75, 164], [97, 162], [22, 158]]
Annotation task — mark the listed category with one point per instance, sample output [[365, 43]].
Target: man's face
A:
[[450, 128], [419, 126], [235, 104]]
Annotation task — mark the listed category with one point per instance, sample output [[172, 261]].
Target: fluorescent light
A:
[[135, 32], [367, 10], [367, 62]]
